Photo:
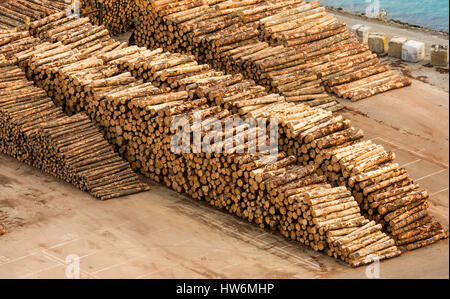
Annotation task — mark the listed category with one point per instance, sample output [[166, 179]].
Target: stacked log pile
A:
[[385, 192], [182, 73], [307, 134], [345, 67], [241, 97], [17, 13], [367, 85], [66, 57], [216, 36], [270, 207], [76, 33], [35, 131], [310, 132], [115, 15], [279, 69], [269, 195], [65, 87], [350, 236], [13, 41], [122, 105], [291, 47]]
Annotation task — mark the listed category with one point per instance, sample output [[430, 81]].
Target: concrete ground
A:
[[161, 234]]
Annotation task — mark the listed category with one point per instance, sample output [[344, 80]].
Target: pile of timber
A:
[[76, 32], [379, 80], [217, 37], [17, 13], [350, 236], [241, 97], [35, 131], [345, 67], [51, 72], [311, 132], [269, 195], [290, 47], [307, 134], [239, 197], [385, 192], [182, 73], [2, 229], [70, 47], [122, 105], [115, 15], [13, 41]]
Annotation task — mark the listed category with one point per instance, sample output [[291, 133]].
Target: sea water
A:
[[425, 13]]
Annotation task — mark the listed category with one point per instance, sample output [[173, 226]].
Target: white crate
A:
[[413, 51]]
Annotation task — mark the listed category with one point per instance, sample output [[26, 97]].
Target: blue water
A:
[[426, 13]]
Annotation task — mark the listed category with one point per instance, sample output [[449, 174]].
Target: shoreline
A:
[[387, 21]]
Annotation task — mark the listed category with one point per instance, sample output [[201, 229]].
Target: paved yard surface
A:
[[161, 234]]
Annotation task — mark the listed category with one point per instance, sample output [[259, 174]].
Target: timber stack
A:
[[18, 13], [77, 32], [218, 38], [115, 15], [122, 105], [242, 184], [13, 41], [291, 47], [350, 236], [69, 46], [310, 132], [385, 192], [268, 195], [345, 67], [181, 72], [35, 131]]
